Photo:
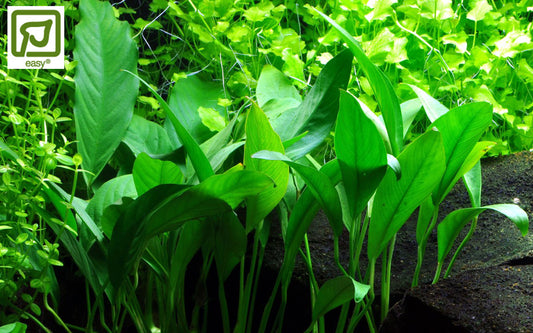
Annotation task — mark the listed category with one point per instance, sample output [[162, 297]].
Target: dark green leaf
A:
[[361, 154]]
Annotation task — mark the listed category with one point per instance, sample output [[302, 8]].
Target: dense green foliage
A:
[[206, 116]]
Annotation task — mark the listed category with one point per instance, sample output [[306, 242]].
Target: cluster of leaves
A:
[[34, 107], [164, 175], [457, 51]]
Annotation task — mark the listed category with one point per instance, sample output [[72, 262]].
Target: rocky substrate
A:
[[490, 288]]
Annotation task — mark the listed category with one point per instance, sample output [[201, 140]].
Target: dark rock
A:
[[496, 299]]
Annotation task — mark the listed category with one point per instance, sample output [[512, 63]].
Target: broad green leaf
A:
[[423, 163], [105, 96], [149, 172], [144, 136], [185, 99], [319, 184], [318, 112], [13, 328], [383, 90], [434, 109], [109, 193], [199, 160], [451, 226], [336, 292], [461, 128], [273, 84], [261, 136], [361, 153], [168, 207]]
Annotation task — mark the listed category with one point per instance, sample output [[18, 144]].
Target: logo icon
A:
[[35, 37]]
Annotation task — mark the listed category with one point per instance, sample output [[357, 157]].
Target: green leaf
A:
[[168, 207], [423, 164], [109, 193], [361, 153], [318, 111], [461, 128], [5, 149], [149, 172], [144, 136], [301, 217], [211, 119], [261, 136], [273, 84], [383, 90], [472, 180], [434, 109], [410, 109], [13, 328], [479, 10], [318, 183], [451, 226], [230, 243], [105, 96], [199, 160], [336, 292], [185, 99]]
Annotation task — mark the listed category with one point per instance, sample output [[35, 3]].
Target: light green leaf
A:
[[383, 90], [336, 292], [105, 96], [434, 109], [422, 163], [479, 10], [211, 119], [261, 136], [273, 84], [461, 128], [13, 328], [451, 226]]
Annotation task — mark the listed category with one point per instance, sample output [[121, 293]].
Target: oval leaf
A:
[[361, 153], [422, 164], [105, 96]]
